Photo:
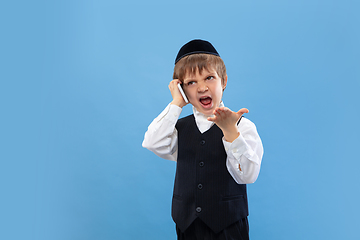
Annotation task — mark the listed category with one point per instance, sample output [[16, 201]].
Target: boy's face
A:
[[204, 90]]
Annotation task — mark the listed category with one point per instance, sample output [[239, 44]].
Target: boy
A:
[[217, 150]]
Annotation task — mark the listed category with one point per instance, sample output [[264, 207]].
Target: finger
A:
[[174, 82], [241, 112], [216, 110], [223, 112], [227, 111], [221, 109], [212, 119], [217, 114]]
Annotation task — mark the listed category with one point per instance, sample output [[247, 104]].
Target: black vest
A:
[[203, 186]]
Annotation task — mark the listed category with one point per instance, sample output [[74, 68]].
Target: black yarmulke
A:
[[196, 46]]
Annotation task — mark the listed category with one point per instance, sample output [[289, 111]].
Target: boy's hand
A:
[[178, 100], [227, 120]]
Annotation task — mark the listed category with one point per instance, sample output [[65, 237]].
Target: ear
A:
[[224, 82]]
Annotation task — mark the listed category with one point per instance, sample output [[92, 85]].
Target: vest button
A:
[[202, 142], [201, 164], [198, 209], [200, 186]]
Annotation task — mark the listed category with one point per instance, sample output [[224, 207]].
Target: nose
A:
[[202, 87]]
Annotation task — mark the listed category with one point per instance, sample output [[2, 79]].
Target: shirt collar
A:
[[201, 120]]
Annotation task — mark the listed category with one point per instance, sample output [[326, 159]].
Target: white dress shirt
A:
[[244, 154]]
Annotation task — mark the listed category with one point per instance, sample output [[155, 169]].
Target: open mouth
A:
[[206, 102]]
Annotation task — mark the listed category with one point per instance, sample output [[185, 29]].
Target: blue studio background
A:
[[82, 80]]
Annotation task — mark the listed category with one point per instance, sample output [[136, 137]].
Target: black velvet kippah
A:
[[196, 46]]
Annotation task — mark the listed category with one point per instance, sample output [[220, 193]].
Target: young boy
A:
[[217, 150]]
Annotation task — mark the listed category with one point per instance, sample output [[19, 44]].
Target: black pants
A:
[[199, 231]]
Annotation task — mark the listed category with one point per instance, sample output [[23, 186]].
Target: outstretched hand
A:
[[226, 120]]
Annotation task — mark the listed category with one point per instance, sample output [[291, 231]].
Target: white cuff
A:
[[237, 148]]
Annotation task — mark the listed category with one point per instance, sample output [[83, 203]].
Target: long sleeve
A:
[[244, 154], [161, 136]]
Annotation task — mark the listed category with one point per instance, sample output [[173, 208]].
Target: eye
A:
[[190, 83], [210, 78]]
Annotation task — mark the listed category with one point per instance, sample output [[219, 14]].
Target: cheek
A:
[[190, 94], [219, 91]]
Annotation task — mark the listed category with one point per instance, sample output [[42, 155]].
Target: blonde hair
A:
[[198, 62]]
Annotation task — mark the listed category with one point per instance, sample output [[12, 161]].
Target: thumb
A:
[[242, 111]]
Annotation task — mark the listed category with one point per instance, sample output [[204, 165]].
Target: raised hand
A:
[[226, 120], [175, 93]]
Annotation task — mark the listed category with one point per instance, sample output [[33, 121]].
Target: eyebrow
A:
[[186, 80], [192, 79]]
